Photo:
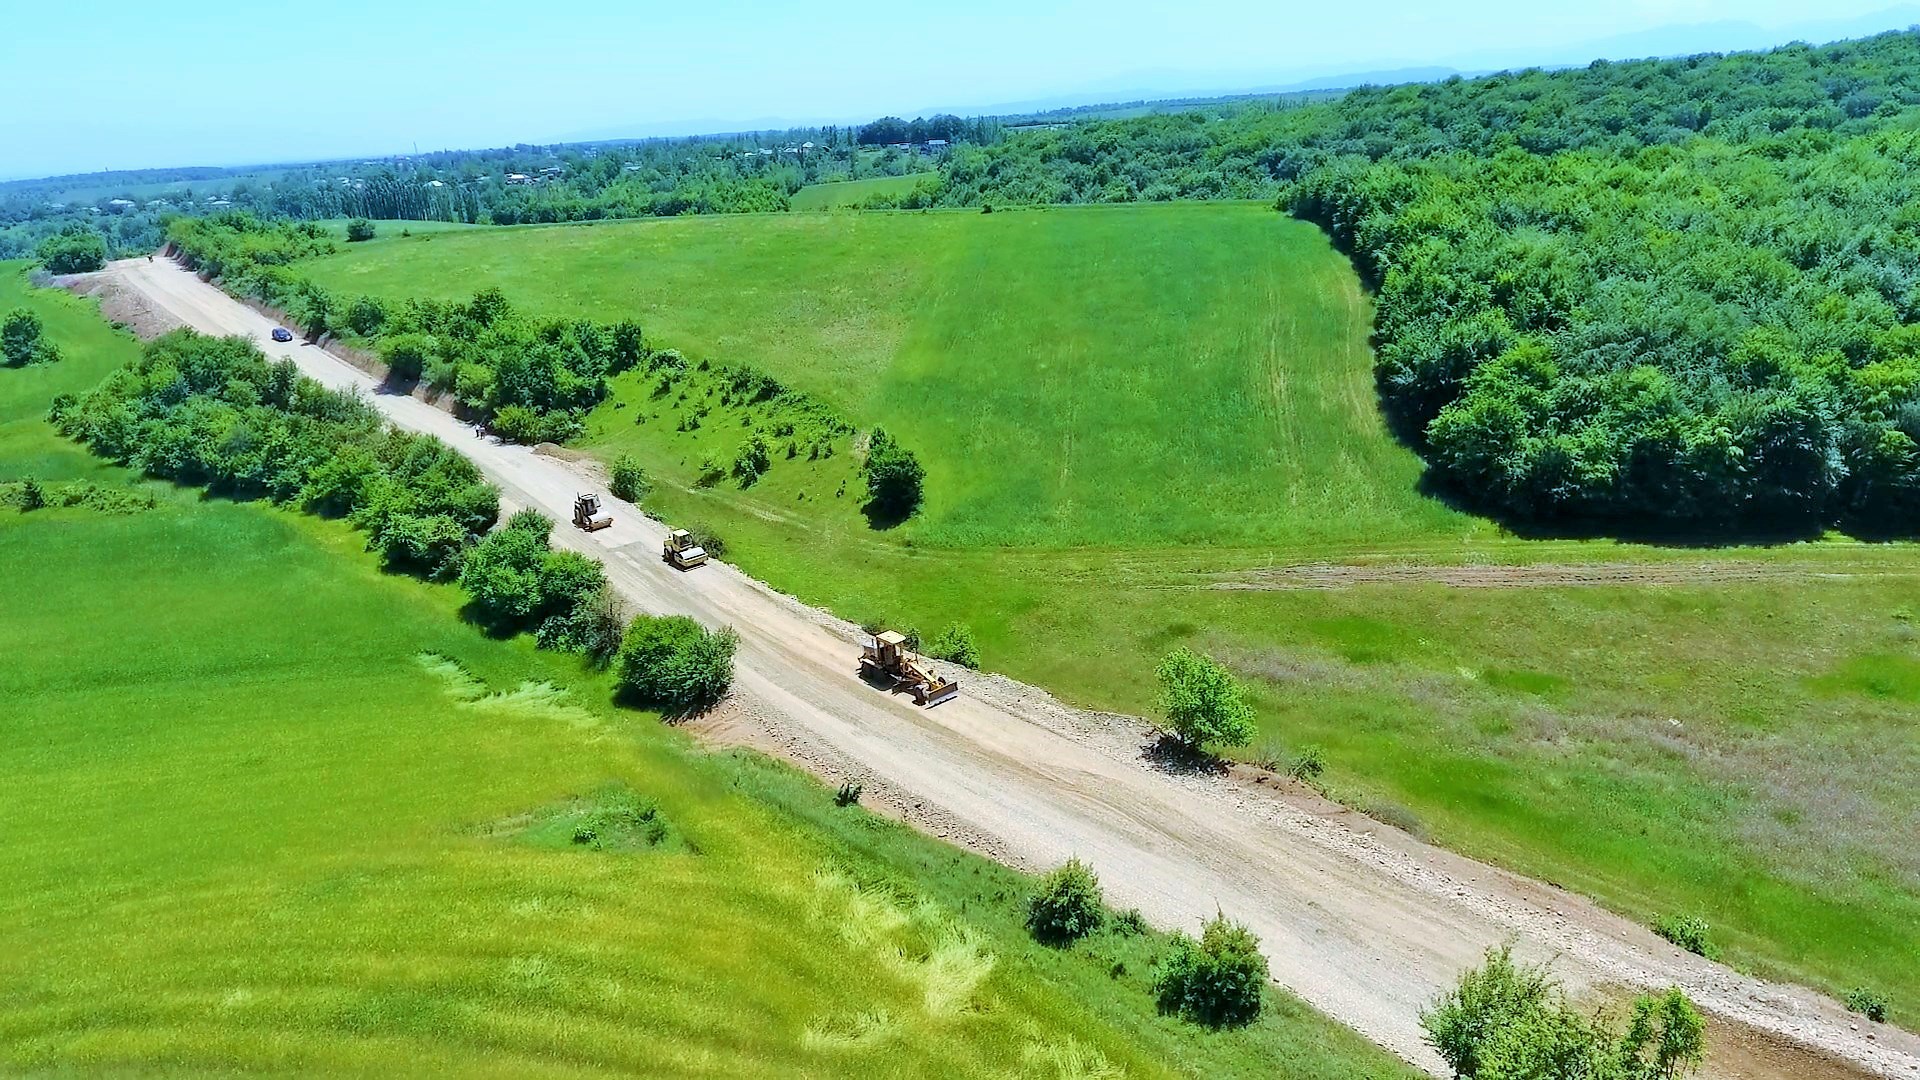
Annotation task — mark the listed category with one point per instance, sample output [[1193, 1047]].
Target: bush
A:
[[1068, 905], [711, 542], [1689, 932], [1504, 1020], [955, 645], [627, 480], [848, 795], [894, 479], [366, 315], [1217, 981], [23, 340], [593, 628], [752, 460], [31, 496], [1868, 1003], [406, 355], [1203, 702], [1309, 763], [527, 426], [74, 250], [359, 229], [515, 581], [430, 546], [674, 664]]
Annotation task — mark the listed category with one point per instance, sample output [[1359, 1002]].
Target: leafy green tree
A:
[[752, 460], [366, 315], [406, 355], [894, 479], [1202, 701], [628, 480], [956, 645], [1067, 906], [75, 250], [429, 545], [674, 664], [23, 339], [359, 229], [1217, 981], [1505, 1021]]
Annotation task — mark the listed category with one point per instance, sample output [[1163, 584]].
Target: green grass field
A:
[[270, 810], [844, 193], [1130, 416]]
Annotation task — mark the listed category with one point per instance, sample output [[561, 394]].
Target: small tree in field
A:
[[23, 339], [1068, 905], [627, 480], [894, 479], [1203, 702], [675, 664], [359, 229], [1217, 981]]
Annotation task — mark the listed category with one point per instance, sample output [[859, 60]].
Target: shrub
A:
[[627, 480], [1689, 932], [674, 664], [23, 339], [1068, 905], [74, 250], [894, 479], [366, 315], [955, 645], [1309, 763], [516, 581], [848, 795], [359, 229], [406, 355], [711, 542], [1217, 981], [709, 474], [594, 628], [1130, 923], [752, 460], [1203, 702], [527, 426], [430, 546], [1504, 1020], [31, 496], [1868, 1003]]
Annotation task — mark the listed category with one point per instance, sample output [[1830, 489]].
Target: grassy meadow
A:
[[271, 810], [1141, 423], [838, 194]]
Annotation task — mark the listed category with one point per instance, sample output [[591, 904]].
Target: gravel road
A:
[[1362, 921]]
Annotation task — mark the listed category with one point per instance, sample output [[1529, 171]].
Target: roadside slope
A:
[[1366, 924]]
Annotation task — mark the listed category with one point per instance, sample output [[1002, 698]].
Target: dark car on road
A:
[[281, 333]]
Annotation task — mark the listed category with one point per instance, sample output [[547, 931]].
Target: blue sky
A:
[[116, 84]]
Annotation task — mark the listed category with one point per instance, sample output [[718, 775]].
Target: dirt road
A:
[[1362, 921]]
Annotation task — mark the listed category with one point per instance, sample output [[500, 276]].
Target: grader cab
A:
[[681, 552], [587, 515], [885, 658]]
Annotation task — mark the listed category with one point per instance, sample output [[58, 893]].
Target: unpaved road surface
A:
[[1362, 921]]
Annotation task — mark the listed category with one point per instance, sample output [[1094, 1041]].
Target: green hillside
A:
[[270, 810], [1086, 376], [1157, 425]]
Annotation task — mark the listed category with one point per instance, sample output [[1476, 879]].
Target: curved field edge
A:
[[268, 806], [1670, 729]]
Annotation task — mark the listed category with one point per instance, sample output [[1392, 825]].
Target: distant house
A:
[[936, 144], [436, 183], [633, 168], [219, 203], [519, 178], [806, 147], [120, 204], [553, 170]]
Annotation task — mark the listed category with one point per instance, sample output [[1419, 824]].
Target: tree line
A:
[[1679, 292]]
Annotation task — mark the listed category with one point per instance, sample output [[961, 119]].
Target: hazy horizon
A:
[[163, 89]]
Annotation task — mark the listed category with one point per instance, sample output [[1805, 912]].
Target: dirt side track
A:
[[1362, 921]]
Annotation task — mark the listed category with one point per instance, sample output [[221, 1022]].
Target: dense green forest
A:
[[1675, 290]]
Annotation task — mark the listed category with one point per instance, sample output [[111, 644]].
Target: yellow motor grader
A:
[[885, 658]]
